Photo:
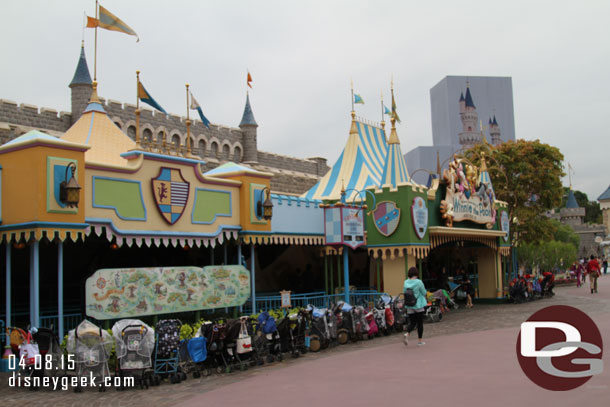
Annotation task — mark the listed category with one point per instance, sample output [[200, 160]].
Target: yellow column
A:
[[395, 273]]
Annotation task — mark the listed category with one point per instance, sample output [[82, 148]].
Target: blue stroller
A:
[[193, 356]]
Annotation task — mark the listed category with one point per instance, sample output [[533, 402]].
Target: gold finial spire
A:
[[438, 163], [188, 124], [382, 113], [483, 138], [137, 109], [483, 163], [353, 129], [94, 98], [393, 136]]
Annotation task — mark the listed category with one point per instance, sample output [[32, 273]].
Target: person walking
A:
[[577, 268], [593, 272], [605, 264], [415, 301]]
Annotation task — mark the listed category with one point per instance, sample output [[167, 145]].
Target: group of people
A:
[[591, 268]]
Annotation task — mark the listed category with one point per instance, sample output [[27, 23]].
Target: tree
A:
[[564, 233], [527, 175]]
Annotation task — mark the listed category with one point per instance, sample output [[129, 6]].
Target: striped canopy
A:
[[395, 170], [360, 165]]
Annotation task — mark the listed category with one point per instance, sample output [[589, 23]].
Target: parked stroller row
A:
[[148, 355], [529, 287]]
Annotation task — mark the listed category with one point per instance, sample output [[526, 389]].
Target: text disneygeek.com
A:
[[65, 382]]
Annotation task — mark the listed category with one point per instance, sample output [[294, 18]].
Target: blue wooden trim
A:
[[113, 207], [129, 154], [32, 225], [254, 232], [230, 214], [398, 245], [90, 127], [131, 232]]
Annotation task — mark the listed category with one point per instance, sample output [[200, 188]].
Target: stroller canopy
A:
[[89, 343], [133, 335]]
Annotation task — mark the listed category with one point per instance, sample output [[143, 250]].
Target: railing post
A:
[[332, 277], [252, 279], [346, 273], [338, 271], [60, 289], [325, 273], [8, 283], [35, 284]]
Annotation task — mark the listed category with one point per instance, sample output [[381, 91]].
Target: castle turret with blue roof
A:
[[249, 127], [80, 86], [469, 136]]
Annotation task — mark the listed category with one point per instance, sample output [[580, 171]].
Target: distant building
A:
[[604, 204], [591, 235], [460, 106]]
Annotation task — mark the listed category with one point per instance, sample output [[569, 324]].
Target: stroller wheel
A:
[[182, 376], [157, 380], [342, 337], [219, 370], [205, 372], [280, 357], [270, 359], [196, 374], [440, 317], [314, 343], [228, 369]]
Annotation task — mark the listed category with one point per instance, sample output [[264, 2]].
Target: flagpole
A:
[[188, 124], [382, 113], [95, 53], [352, 88], [137, 109]]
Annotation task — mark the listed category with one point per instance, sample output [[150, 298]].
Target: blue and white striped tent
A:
[[360, 165], [395, 169]]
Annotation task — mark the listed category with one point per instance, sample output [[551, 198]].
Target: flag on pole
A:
[[387, 111], [394, 114], [109, 21], [249, 79], [146, 98], [195, 106], [358, 99]]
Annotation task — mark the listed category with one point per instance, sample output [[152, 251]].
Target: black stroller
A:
[[238, 350], [167, 351], [266, 338], [319, 333], [50, 350], [214, 333]]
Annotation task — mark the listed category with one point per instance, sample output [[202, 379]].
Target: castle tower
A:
[[604, 204], [248, 126], [494, 131], [80, 86], [468, 114], [572, 214]]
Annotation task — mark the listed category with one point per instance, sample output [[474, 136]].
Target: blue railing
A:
[[317, 299]]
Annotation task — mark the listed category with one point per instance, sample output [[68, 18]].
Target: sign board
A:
[[419, 216], [505, 225], [344, 225], [387, 217], [127, 293], [471, 208], [285, 299]]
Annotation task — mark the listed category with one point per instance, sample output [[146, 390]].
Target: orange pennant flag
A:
[[249, 79], [92, 22]]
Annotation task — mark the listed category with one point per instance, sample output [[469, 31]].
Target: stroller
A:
[[345, 322], [298, 329], [547, 285], [135, 342], [214, 333], [167, 355], [50, 350], [286, 328], [319, 334], [267, 338], [433, 308], [193, 355], [91, 346], [400, 312], [517, 291], [379, 314], [238, 351]]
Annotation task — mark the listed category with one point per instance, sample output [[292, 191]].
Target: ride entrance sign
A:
[[344, 225]]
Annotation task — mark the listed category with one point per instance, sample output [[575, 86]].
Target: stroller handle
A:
[[143, 329]]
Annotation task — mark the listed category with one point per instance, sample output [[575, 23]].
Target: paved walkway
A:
[[469, 360]]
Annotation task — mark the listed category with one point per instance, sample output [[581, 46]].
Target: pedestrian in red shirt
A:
[[593, 272]]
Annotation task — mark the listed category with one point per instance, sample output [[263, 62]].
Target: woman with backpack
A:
[[415, 302]]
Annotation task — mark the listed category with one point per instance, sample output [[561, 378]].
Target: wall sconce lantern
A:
[[69, 190], [265, 209]]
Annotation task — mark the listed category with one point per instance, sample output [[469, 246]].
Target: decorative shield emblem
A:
[[387, 217], [419, 215], [171, 192], [505, 224]]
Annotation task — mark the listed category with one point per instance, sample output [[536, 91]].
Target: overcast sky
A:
[[302, 55]]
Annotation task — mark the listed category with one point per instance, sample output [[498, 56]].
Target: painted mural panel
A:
[[124, 293]]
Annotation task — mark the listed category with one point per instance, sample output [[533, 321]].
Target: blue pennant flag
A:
[[358, 99], [146, 98], [387, 111], [195, 106]]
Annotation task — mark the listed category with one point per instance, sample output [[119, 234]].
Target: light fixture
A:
[[69, 190], [114, 246], [265, 209]]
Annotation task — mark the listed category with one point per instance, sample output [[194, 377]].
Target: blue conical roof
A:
[[81, 76], [469, 102], [461, 96], [495, 121], [248, 118], [571, 203], [605, 195]]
